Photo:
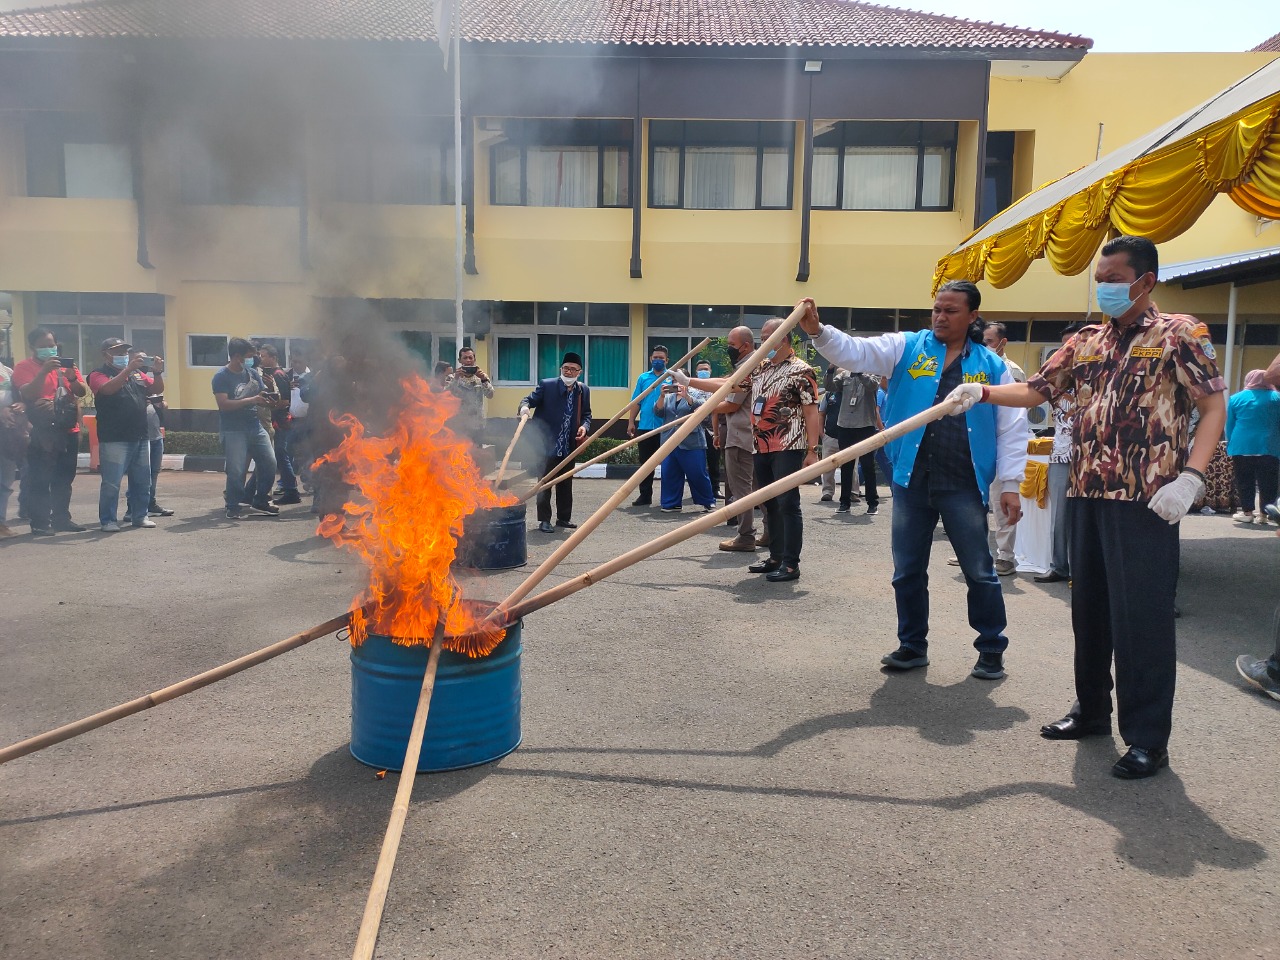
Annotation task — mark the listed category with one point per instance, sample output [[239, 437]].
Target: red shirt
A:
[[28, 370]]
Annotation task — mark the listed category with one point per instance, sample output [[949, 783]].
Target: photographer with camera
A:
[[120, 388], [472, 387], [50, 386]]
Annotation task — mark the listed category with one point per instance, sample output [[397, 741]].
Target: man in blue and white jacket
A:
[[942, 471]]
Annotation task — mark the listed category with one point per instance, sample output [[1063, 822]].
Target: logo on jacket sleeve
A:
[[925, 366]]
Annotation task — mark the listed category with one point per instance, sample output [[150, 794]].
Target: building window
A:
[[884, 165], [721, 164], [74, 155], [412, 164], [532, 339], [81, 321], [561, 163], [997, 178], [287, 347], [206, 350], [268, 176]]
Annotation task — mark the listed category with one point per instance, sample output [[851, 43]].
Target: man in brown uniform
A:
[[1136, 379]]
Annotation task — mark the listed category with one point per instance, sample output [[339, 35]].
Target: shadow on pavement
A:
[[273, 865]]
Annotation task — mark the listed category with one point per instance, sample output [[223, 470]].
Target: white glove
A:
[[1172, 501], [524, 410], [965, 396], [680, 377]]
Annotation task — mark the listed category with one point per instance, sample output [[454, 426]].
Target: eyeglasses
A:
[[569, 371]]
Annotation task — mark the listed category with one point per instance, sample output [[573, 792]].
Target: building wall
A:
[[259, 270]]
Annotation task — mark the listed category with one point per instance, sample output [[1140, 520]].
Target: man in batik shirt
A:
[[787, 429], [1134, 476]]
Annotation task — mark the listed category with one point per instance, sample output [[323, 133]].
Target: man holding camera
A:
[[50, 386], [238, 391], [120, 388], [472, 387]]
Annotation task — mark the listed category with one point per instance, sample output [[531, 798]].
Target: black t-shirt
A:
[[122, 416]]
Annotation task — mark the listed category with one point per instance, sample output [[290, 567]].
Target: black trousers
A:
[[713, 463], [846, 437], [47, 479], [786, 522], [1256, 475], [1124, 563], [563, 491], [647, 449]]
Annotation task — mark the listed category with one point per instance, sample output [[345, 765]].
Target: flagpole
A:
[[456, 30]]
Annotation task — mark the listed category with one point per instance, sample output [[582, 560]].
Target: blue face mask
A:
[[250, 361], [120, 362], [704, 374], [1113, 298], [771, 354], [658, 364], [46, 353]]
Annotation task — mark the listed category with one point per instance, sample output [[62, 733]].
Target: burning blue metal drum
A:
[[475, 708], [494, 538]]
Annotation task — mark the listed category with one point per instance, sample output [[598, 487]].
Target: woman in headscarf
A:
[[1253, 443]]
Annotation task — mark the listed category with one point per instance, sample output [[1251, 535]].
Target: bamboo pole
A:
[[705, 522], [367, 939], [618, 416], [578, 468], [502, 470], [165, 694], [629, 485]]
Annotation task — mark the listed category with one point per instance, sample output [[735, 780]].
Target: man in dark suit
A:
[[561, 408]]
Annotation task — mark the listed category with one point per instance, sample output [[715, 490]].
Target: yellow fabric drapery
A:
[[1157, 196], [1035, 484]]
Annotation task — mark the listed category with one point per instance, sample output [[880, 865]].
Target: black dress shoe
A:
[[783, 575], [764, 566], [642, 502], [546, 527], [1050, 577], [1140, 763], [1074, 727], [567, 524]]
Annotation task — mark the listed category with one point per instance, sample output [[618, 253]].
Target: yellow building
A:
[[224, 171]]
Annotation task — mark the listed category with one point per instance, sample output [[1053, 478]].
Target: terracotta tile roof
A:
[[810, 23], [1268, 46]]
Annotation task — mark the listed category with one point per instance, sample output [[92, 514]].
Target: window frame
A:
[[921, 144], [54, 131], [353, 164], [760, 144], [201, 366], [521, 133], [531, 339]]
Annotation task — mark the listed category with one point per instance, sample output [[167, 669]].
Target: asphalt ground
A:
[[712, 766]]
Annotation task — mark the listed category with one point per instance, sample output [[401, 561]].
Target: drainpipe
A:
[[1229, 359], [806, 190]]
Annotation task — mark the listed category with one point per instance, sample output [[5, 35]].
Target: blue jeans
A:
[[284, 458], [964, 516], [157, 461], [239, 447], [116, 459], [681, 465]]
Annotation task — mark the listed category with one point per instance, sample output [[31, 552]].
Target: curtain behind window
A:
[[100, 170], [879, 178], [562, 176], [617, 177], [513, 359], [936, 190], [607, 362], [506, 173], [720, 178], [666, 176], [774, 177], [826, 170]]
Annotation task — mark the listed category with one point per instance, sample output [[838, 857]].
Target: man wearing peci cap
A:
[[561, 409], [120, 390]]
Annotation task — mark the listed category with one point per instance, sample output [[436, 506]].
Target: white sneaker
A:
[[144, 522], [1242, 517], [111, 527]]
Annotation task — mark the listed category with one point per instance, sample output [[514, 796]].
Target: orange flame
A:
[[417, 484]]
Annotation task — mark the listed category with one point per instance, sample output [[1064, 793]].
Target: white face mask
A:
[[568, 381]]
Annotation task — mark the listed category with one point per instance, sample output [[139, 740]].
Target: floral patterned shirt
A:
[[779, 394], [1135, 388]]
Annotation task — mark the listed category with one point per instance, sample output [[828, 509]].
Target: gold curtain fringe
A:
[[1158, 196]]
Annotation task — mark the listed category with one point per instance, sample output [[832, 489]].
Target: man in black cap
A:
[[561, 408], [120, 390]]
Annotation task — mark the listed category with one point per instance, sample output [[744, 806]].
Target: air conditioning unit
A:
[[1040, 419]]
